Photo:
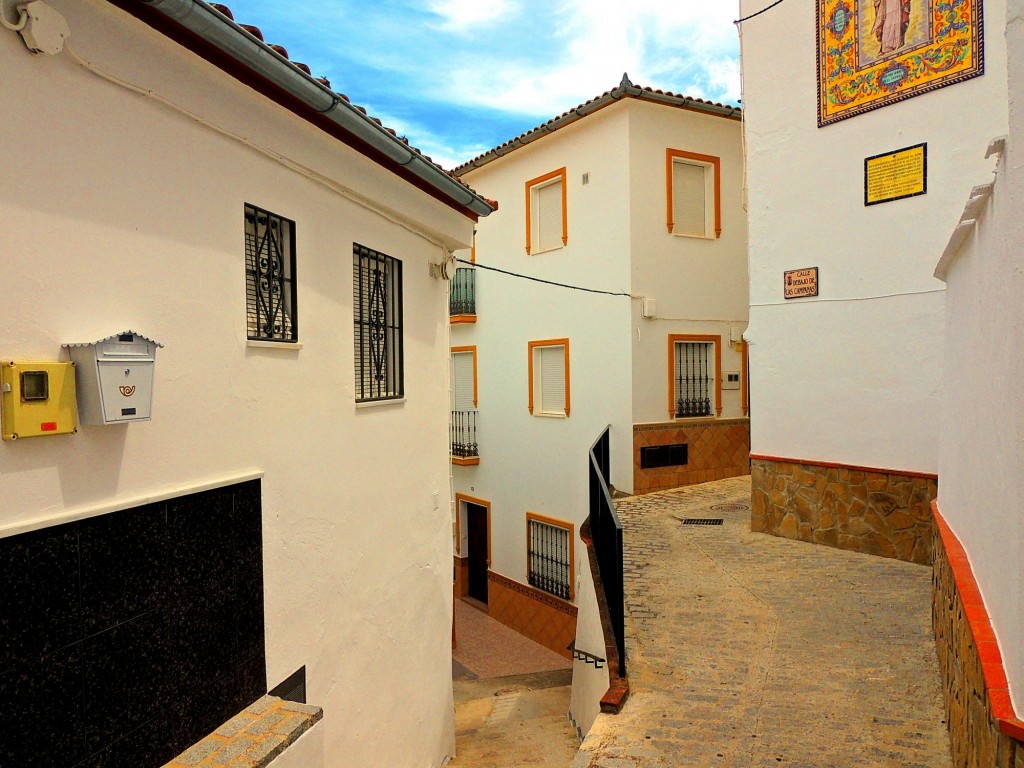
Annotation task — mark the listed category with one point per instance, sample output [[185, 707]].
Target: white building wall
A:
[[531, 463], [699, 285], [123, 213], [982, 448], [854, 375]]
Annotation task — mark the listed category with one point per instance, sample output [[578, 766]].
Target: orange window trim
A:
[[476, 391], [672, 339], [572, 545], [715, 162], [458, 319], [744, 385], [549, 343], [459, 498], [560, 173], [472, 251]]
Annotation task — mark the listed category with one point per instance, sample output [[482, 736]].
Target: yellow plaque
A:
[[895, 175]]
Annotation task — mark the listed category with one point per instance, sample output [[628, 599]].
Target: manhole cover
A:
[[702, 521], [731, 507]]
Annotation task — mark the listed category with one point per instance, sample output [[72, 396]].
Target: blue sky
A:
[[458, 77]]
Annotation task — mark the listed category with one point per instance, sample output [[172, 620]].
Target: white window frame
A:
[[711, 166], [533, 218]]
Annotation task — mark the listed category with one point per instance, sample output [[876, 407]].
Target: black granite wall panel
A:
[[126, 638]]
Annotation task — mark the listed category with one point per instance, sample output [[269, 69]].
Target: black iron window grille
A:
[[692, 379], [270, 304], [549, 558], [377, 313], [462, 298], [464, 444]]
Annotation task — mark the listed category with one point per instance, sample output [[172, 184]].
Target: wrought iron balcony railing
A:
[[463, 435], [462, 299]]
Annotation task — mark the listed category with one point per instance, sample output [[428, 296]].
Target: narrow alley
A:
[[745, 649]]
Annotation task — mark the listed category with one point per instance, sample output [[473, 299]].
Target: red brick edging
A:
[[996, 685]]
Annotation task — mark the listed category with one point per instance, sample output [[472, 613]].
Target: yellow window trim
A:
[[531, 516], [564, 343], [671, 155], [672, 339], [560, 173]]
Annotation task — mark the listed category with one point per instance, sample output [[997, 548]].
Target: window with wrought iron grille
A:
[[550, 555], [270, 305], [693, 376], [377, 313]]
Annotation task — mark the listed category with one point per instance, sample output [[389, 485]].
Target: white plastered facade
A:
[[617, 242], [852, 376], [125, 213], [982, 448]]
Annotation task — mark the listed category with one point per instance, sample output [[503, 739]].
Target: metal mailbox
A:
[[115, 378]]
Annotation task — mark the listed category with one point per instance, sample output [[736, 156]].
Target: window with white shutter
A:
[[464, 397], [693, 194], [546, 226], [549, 377], [689, 201]]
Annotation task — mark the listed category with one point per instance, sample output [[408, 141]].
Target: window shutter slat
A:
[[549, 216], [689, 209], [462, 381], [552, 379]]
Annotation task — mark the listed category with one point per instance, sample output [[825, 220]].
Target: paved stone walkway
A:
[[520, 720], [748, 650]]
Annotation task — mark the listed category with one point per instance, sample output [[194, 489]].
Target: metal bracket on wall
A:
[[589, 658]]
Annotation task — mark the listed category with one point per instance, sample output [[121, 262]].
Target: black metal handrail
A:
[[606, 531], [462, 297], [463, 434]]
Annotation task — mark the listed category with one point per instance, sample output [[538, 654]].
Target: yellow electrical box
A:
[[37, 399]]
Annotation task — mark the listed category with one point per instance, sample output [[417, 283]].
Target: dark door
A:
[[476, 519]]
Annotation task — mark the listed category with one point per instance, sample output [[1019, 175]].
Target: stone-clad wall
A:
[[968, 661], [874, 512]]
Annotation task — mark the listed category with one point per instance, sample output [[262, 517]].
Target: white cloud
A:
[[583, 48], [460, 16]]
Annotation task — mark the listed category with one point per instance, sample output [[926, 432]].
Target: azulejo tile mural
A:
[[872, 53]]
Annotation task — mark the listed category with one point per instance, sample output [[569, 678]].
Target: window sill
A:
[[546, 250], [380, 403], [288, 345], [552, 415], [694, 237], [456, 319], [470, 461]]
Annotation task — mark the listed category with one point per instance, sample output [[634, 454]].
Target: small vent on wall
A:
[[654, 456], [293, 688], [586, 178]]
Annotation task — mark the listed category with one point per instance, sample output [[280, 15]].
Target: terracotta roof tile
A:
[[258, 34], [625, 89]]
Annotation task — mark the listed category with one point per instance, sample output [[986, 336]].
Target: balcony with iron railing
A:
[[463, 438], [462, 296]]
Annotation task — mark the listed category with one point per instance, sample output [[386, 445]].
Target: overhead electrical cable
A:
[[546, 282], [767, 8]]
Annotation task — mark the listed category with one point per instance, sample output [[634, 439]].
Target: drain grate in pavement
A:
[[731, 507], [703, 521]]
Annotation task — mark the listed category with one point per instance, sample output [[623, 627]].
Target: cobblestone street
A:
[[747, 650]]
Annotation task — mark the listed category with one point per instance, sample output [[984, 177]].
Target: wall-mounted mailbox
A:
[[115, 378], [37, 399]]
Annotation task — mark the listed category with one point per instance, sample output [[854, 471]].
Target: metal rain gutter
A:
[[201, 19]]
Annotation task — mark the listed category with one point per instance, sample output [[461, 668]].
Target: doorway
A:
[[476, 524]]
